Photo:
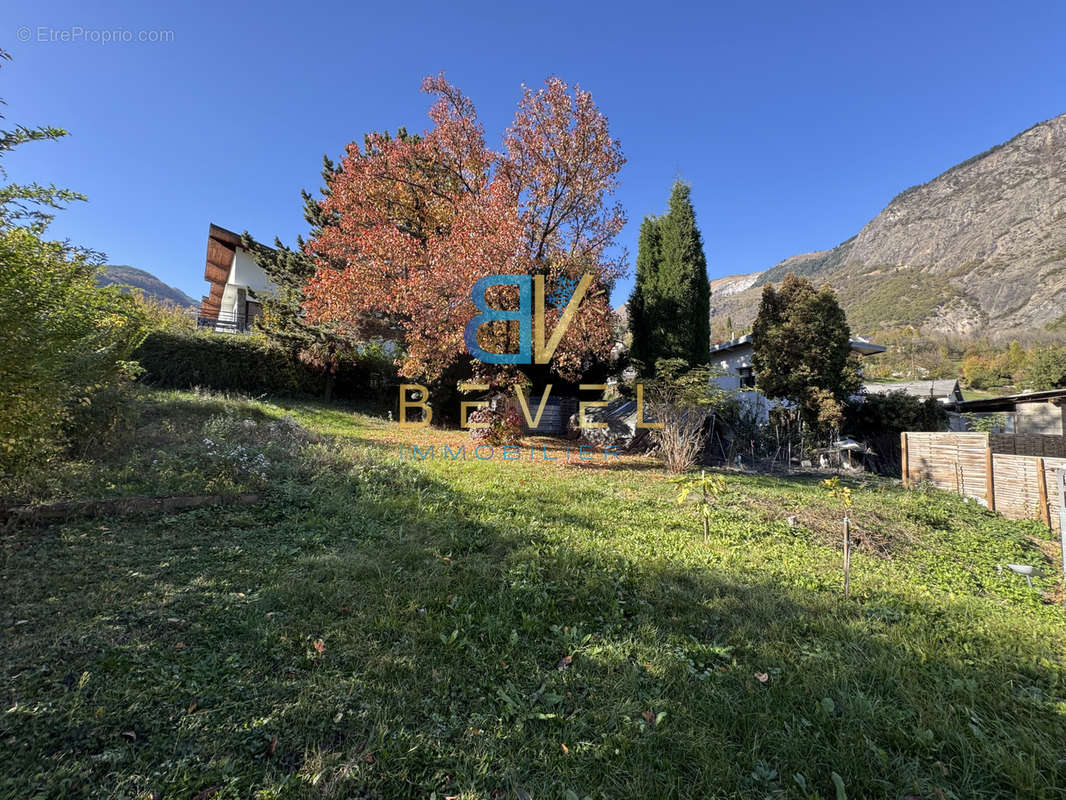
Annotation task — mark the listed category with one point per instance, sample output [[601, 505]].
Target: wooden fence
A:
[[1014, 475]]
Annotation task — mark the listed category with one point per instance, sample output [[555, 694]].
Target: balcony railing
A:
[[226, 322]]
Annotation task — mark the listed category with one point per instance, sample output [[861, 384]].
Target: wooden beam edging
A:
[[121, 506]]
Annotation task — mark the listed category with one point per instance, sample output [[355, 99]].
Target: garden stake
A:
[[706, 519], [847, 557], [843, 494]]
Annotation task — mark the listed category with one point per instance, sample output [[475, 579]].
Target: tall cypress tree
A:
[[641, 321], [670, 308]]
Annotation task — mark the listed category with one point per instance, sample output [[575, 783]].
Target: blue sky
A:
[[794, 122]]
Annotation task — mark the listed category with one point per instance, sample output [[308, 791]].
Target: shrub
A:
[[504, 425], [164, 316], [681, 399], [253, 364], [893, 412], [65, 341], [878, 420], [226, 362]]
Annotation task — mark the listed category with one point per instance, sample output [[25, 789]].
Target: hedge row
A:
[[246, 363]]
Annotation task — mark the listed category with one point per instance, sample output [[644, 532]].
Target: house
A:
[[945, 391], [1029, 412], [236, 281], [733, 360]]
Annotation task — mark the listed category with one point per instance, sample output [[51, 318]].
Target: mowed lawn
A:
[[383, 627]]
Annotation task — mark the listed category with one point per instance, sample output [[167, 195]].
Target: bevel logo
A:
[[532, 348]]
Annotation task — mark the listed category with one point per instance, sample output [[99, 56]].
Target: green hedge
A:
[[247, 363]]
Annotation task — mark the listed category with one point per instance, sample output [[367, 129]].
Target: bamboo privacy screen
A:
[[1014, 475]]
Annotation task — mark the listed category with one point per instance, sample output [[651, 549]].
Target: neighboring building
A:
[[236, 281], [946, 391], [733, 358], [1029, 412]]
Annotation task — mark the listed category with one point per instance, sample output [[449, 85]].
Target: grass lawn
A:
[[385, 627]]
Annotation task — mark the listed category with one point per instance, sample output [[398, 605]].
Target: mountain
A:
[[146, 282], [978, 249]]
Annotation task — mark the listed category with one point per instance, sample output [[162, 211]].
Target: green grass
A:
[[516, 629]]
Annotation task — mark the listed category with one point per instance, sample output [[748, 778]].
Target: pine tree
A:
[[669, 309], [640, 321], [683, 278], [283, 319]]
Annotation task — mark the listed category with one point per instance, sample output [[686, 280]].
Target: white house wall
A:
[[246, 273]]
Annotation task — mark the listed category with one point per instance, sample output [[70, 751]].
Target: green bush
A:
[[66, 344], [250, 364], [879, 419], [894, 413], [227, 362]]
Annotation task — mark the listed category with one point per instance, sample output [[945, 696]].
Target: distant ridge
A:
[[146, 282], [979, 249]]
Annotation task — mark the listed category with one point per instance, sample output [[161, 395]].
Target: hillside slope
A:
[[980, 248], [146, 282]]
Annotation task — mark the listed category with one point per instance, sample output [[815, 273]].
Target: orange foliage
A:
[[420, 219]]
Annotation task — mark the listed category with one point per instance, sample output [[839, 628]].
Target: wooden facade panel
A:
[[220, 256], [216, 274]]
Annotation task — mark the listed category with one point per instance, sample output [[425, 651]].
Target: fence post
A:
[[990, 479], [1062, 516], [1041, 483], [906, 465]]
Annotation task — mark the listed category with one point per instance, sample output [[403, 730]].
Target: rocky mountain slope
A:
[[146, 282], [979, 249]]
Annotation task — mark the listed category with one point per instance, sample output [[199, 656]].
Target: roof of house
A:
[[1009, 401], [858, 345], [939, 389]]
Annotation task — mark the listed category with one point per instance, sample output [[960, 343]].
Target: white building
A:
[[1041, 412], [733, 359], [236, 281], [945, 391]]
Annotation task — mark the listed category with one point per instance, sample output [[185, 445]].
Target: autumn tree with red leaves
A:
[[419, 219]]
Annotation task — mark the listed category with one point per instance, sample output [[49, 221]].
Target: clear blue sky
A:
[[795, 122]]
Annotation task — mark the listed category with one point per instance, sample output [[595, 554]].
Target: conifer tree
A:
[[283, 319], [669, 309], [640, 321]]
